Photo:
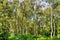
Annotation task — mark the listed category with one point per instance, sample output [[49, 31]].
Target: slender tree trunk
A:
[[51, 23], [54, 30], [22, 27], [34, 28], [26, 29], [27, 24]]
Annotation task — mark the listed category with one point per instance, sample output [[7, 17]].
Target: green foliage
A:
[[20, 37], [13, 24]]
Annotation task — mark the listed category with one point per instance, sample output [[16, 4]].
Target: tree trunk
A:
[[51, 23]]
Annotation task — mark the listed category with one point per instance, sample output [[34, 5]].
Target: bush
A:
[[26, 37], [21, 37], [3, 35], [12, 37]]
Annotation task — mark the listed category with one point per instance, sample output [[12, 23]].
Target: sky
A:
[[43, 4]]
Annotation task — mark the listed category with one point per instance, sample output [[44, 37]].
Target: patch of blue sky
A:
[[36, 2], [44, 5], [15, 10], [10, 0], [40, 23], [20, 1], [32, 17]]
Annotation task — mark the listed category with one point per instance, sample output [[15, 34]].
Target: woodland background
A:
[[29, 19]]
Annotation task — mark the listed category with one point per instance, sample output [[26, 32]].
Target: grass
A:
[[31, 37]]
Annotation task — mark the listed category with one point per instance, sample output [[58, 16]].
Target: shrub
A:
[[26, 37], [21, 37]]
